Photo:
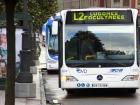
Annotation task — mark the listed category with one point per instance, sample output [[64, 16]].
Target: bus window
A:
[[99, 46], [53, 44]]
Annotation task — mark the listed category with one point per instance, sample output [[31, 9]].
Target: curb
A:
[[42, 87]]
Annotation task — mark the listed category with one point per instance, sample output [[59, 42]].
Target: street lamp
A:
[[24, 75], [25, 11]]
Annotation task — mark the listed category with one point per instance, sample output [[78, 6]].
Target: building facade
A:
[[71, 4], [125, 4]]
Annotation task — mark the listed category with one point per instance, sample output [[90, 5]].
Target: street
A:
[[85, 97]]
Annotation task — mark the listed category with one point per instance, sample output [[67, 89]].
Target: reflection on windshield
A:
[[84, 48], [52, 44]]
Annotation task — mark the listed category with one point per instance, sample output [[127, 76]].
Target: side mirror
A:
[[55, 28]]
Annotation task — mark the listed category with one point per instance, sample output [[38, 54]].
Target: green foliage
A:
[[19, 6], [1, 6], [41, 10]]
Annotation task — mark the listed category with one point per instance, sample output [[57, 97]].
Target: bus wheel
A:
[[70, 91], [132, 91]]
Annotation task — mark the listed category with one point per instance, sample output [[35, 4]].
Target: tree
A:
[[10, 81], [1, 6], [83, 43], [41, 10], [40, 14]]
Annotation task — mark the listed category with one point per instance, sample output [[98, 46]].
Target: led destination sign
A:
[[99, 17]]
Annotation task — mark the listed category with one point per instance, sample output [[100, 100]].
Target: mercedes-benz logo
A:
[[99, 77]]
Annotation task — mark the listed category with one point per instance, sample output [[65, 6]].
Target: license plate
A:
[[99, 85], [92, 85]]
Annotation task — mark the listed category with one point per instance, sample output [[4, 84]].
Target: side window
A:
[[56, 43], [138, 46], [138, 42], [50, 46], [52, 43]]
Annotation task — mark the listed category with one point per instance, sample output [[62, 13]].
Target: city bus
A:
[[98, 48], [51, 45]]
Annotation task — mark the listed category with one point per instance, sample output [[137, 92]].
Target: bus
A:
[[98, 48], [51, 45]]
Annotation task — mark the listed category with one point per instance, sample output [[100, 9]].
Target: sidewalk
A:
[[26, 101], [36, 79]]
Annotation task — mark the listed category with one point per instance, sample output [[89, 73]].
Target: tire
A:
[[52, 71], [43, 69], [132, 91], [70, 91]]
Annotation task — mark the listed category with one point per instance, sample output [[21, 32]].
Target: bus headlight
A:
[[68, 78], [130, 78]]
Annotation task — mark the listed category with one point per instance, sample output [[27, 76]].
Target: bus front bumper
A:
[[121, 84]]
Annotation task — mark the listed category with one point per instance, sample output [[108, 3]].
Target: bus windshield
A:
[[52, 45], [99, 46]]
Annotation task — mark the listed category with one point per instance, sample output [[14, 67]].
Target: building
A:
[[68, 4], [125, 4]]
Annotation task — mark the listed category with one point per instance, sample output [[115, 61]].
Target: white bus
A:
[[51, 44], [98, 48]]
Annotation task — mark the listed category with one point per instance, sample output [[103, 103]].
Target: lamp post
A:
[[25, 11], [24, 75], [25, 87]]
